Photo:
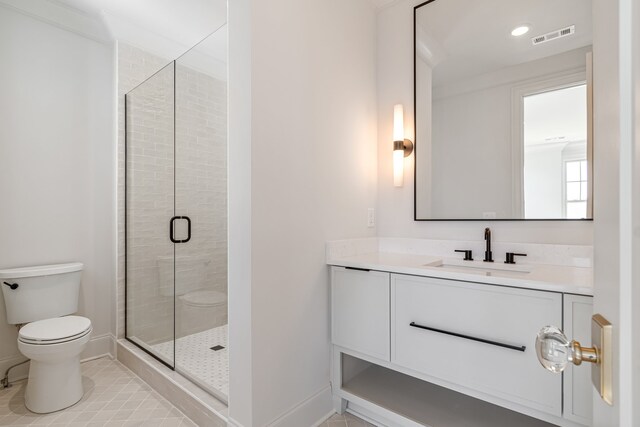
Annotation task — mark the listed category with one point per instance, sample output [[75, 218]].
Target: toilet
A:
[[199, 304], [200, 310], [43, 299]]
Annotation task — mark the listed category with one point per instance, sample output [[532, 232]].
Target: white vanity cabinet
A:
[[578, 401], [480, 336], [360, 311], [472, 338]]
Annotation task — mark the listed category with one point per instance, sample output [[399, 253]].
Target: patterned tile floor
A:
[[114, 396], [196, 359], [345, 420]]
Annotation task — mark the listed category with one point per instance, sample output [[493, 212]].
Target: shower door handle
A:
[[171, 229]]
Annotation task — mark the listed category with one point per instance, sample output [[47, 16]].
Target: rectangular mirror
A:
[[503, 110]]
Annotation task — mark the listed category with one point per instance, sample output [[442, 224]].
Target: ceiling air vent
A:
[[553, 35]]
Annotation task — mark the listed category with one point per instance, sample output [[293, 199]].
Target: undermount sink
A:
[[480, 266]]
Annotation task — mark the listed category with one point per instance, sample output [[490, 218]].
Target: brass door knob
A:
[[555, 351]]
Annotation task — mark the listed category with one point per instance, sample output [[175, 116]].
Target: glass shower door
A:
[[150, 205], [176, 215], [201, 193]]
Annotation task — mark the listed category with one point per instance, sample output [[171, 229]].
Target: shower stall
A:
[[176, 215]]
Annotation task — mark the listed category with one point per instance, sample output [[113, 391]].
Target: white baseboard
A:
[[233, 423], [98, 346], [312, 412], [325, 418]]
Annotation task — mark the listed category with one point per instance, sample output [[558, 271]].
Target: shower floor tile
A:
[[196, 359]]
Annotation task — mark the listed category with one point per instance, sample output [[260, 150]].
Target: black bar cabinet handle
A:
[[357, 269], [171, 236], [468, 337]]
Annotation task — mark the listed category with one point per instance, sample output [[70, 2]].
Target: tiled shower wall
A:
[[200, 184], [134, 67], [201, 194], [150, 205]]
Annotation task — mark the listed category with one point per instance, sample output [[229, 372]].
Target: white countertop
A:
[[554, 278]]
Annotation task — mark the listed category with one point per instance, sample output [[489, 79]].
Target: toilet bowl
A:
[[54, 347], [200, 310], [200, 302], [42, 299]]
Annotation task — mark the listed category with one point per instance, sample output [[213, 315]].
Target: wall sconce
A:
[[401, 147]]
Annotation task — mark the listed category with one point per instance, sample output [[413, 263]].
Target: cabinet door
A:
[[477, 336], [578, 400], [360, 311]]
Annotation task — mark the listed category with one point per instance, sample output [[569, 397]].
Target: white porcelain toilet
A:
[[200, 310], [43, 299], [199, 304]]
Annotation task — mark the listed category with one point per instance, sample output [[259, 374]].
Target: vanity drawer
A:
[[360, 311], [493, 325]]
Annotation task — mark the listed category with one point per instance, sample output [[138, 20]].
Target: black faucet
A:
[[487, 253]]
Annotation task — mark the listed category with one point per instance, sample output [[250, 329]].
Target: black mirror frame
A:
[[415, 150]]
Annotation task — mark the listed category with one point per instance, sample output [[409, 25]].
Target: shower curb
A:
[[201, 407]]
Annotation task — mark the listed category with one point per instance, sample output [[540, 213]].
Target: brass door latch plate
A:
[[601, 373]]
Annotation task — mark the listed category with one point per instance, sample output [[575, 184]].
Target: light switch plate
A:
[[371, 217]]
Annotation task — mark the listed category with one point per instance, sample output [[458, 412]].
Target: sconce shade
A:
[[401, 147], [398, 168], [398, 123]]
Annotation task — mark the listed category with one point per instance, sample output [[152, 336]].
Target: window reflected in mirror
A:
[[555, 153]]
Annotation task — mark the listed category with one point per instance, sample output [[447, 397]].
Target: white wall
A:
[[313, 176], [471, 155], [395, 205], [543, 181], [606, 212], [57, 161], [239, 176]]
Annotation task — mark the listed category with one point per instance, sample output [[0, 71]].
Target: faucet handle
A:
[[510, 257], [468, 254]]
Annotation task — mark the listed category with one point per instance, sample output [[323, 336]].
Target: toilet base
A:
[[53, 386]]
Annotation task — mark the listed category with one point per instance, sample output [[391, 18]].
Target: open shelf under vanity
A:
[[405, 397]]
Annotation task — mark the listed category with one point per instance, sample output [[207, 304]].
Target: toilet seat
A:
[[55, 330], [204, 298]]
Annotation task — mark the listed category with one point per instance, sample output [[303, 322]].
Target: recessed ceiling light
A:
[[519, 31]]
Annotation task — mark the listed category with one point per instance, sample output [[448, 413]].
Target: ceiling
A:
[[464, 38], [379, 4], [184, 21], [166, 28], [558, 116]]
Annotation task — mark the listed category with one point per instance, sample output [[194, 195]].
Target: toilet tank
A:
[[43, 292]]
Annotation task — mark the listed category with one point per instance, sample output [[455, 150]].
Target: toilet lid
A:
[[204, 298], [57, 329]]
